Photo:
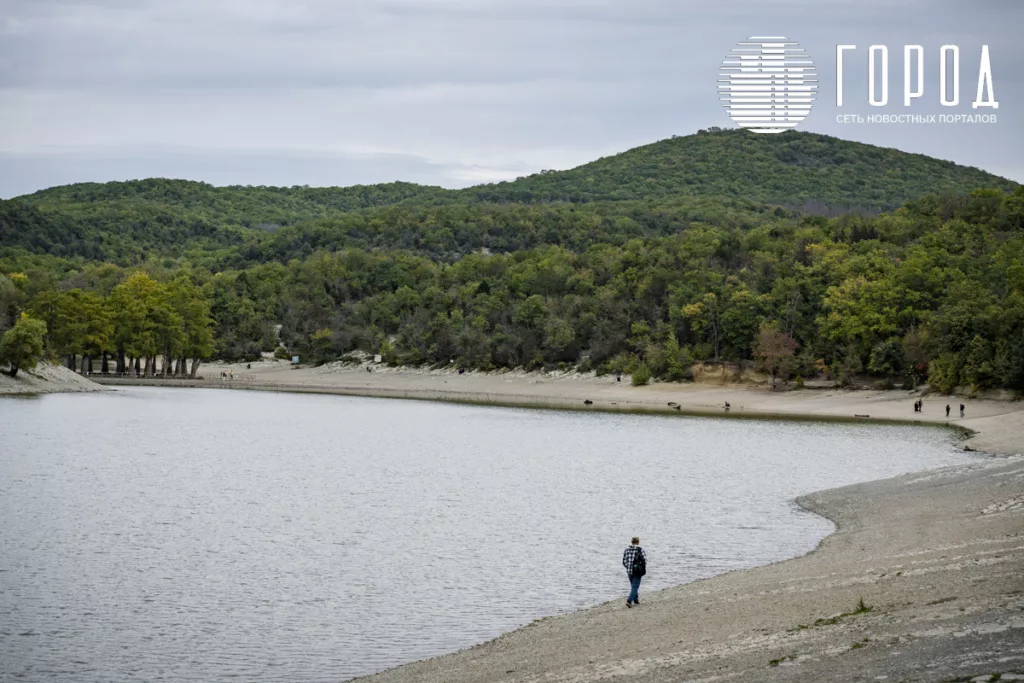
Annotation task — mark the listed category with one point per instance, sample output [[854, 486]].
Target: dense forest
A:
[[808, 254]]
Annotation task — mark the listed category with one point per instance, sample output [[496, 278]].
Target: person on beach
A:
[[962, 408], [634, 559], [947, 410]]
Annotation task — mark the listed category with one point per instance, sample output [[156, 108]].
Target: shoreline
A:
[[925, 617], [991, 425], [46, 378], [791, 620], [936, 555]]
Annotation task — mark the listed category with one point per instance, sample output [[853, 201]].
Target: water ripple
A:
[[186, 535]]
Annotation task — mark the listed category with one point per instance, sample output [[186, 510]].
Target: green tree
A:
[[22, 345]]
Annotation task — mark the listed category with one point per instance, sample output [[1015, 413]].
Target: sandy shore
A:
[[46, 379], [997, 426], [937, 556]]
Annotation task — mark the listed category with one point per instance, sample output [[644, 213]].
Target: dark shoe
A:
[[629, 604]]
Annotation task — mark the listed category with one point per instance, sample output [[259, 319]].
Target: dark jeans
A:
[[634, 593]]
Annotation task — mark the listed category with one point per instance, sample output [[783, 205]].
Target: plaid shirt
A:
[[627, 557]]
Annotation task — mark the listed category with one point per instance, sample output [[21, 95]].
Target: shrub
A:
[[642, 375], [944, 373], [251, 352], [282, 353]]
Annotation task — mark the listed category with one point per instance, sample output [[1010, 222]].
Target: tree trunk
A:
[[138, 367], [105, 365], [73, 362], [87, 364], [151, 366], [195, 368], [773, 379], [122, 367], [13, 372]]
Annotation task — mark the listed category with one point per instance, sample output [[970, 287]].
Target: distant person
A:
[[248, 366], [727, 406], [947, 410], [634, 559], [962, 409]]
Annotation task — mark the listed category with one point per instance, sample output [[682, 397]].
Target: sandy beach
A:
[[923, 580]]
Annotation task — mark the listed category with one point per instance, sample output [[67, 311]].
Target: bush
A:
[[679, 374], [251, 352], [625, 363], [281, 353], [642, 375], [944, 373], [585, 365]]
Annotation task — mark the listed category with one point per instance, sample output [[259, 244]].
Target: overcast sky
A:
[[447, 92]]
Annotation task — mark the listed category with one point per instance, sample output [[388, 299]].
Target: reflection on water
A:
[[158, 534]]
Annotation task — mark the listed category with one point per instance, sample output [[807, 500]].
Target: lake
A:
[[199, 535]]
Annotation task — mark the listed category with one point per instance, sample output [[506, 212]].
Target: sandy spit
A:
[[46, 379]]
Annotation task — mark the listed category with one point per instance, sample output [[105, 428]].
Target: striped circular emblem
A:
[[767, 84]]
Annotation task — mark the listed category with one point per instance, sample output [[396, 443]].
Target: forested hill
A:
[[792, 169], [717, 177], [696, 248], [235, 205]]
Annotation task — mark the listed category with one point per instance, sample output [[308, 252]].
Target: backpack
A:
[[639, 567]]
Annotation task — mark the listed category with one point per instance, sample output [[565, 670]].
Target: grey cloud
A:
[[446, 89]]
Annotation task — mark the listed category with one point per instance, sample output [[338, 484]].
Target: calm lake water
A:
[[200, 535]]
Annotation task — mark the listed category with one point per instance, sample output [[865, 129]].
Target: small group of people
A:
[[919, 407]]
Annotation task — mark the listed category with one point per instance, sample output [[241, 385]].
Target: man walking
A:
[[634, 559]]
